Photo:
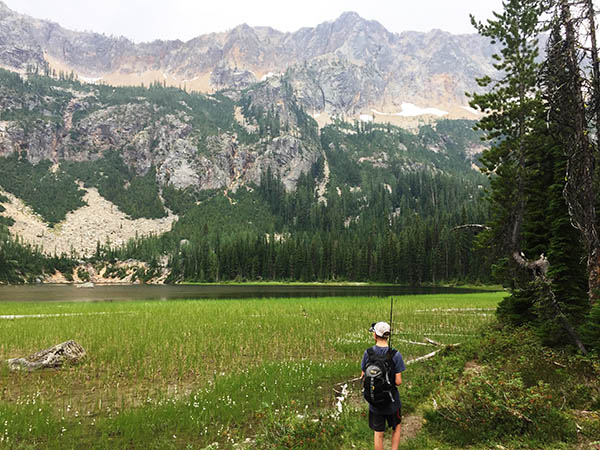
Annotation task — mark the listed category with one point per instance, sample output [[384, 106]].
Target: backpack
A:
[[378, 386]]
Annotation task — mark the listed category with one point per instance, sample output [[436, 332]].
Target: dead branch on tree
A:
[[471, 225]]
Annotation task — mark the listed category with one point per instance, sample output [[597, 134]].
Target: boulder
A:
[[69, 352]]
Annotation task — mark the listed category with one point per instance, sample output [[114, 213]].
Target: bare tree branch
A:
[[470, 225]]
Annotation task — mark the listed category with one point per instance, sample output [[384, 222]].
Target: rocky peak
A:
[[351, 23], [243, 35], [5, 10], [349, 35], [242, 29], [348, 17]]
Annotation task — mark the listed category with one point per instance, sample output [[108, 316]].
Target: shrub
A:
[[83, 274], [591, 329], [493, 405]]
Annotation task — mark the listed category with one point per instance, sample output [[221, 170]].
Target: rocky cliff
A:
[[191, 140]]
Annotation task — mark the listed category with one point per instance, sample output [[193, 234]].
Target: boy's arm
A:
[[400, 367], [363, 364]]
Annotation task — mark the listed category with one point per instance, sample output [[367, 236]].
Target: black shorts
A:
[[377, 421]]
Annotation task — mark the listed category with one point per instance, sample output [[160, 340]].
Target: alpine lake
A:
[[116, 292]]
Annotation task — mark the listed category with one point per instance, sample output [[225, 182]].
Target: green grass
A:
[[176, 373]]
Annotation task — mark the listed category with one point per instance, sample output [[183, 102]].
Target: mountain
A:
[[68, 147], [287, 165], [347, 67]]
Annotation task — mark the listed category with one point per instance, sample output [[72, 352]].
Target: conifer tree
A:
[[514, 122], [510, 104]]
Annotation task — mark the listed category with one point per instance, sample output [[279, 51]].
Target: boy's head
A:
[[381, 330]]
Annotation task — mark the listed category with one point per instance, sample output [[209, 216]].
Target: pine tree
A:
[[527, 178], [510, 104]]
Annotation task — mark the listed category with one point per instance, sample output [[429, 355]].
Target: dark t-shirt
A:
[[398, 367]]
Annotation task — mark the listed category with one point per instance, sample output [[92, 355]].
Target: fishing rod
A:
[[391, 312]]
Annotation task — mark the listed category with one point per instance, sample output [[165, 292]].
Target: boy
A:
[[390, 413]]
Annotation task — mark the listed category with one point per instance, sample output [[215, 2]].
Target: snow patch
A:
[[269, 75], [385, 114], [411, 110], [89, 80], [366, 118]]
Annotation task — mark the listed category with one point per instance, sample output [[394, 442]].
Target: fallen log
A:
[[69, 352], [431, 355], [407, 341], [434, 343]]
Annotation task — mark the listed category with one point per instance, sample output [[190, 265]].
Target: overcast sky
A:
[[146, 20]]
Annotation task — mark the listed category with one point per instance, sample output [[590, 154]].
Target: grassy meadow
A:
[[214, 373]]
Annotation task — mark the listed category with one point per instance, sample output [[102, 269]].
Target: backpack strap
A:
[[389, 354]]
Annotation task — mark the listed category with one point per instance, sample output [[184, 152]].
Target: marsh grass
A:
[[173, 373]]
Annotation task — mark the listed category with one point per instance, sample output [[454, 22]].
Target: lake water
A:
[[72, 293]]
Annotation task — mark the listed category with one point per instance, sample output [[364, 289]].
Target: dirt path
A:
[[411, 424]]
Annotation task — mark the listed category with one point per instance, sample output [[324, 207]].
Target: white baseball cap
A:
[[381, 329]]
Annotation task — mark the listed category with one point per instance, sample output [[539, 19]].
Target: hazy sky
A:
[[146, 20]]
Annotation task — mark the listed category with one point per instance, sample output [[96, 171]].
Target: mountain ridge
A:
[[345, 67]]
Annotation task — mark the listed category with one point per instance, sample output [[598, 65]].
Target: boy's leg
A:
[[378, 440], [396, 437]]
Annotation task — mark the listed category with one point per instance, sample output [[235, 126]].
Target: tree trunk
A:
[[579, 189], [595, 99], [595, 94]]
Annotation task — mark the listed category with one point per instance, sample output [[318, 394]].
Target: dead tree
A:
[[580, 191]]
